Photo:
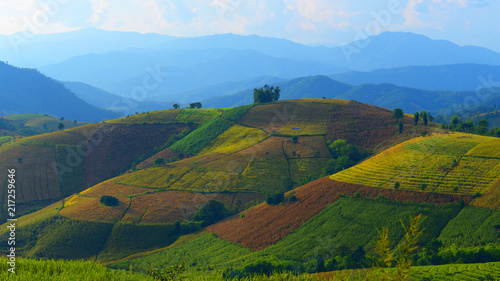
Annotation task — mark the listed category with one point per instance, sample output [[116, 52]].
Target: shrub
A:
[[295, 139], [275, 198], [159, 162], [292, 199], [109, 200], [211, 212]]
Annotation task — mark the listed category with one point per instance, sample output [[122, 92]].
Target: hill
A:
[[33, 124], [455, 77], [28, 91], [444, 163], [400, 49], [236, 156], [122, 105], [384, 95], [55, 165]]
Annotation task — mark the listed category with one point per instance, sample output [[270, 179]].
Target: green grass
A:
[[61, 270], [196, 115], [201, 137], [477, 271], [472, 227], [234, 114], [201, 252]]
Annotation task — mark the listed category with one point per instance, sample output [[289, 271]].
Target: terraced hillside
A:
[[235, 156], [444, 163], [58, 164]]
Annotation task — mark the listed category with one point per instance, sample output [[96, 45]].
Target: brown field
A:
[[165, 154], [35, 177], [69, 137], [264, 225], [121, 145], [269, 117], [170, 206], [89, 208], [369, 127], [307, 147], [272, 148]]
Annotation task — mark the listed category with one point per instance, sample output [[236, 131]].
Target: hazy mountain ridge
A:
[[29, 91]]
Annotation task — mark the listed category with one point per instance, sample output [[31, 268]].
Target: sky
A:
[[465, 22]]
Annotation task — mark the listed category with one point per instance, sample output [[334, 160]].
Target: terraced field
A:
[[446, 163], [473, 272], [235, 139]]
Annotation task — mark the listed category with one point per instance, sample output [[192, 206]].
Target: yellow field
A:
[[235, 139], [487, 149], [442, 163], [161, 116], [89, 208]]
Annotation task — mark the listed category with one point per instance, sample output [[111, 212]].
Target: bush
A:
[[159, 162], [275, 198], [292, 199], [211, 212], [109, 200]]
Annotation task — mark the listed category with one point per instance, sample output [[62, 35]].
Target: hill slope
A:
[[456, 77], [28, 91]]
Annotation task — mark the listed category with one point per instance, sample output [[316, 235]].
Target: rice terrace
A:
[[246, 140]]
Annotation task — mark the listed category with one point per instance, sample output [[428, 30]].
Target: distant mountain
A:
[[299, 88], [35, 50], [28, 91], [399, 49], [106, 100], [456, 77], [177, 72], [226, 88], [384, 95]]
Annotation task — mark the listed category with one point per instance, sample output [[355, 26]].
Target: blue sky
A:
[[465, 22]]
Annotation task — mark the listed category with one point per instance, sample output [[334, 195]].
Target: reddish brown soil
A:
[[264, 225]]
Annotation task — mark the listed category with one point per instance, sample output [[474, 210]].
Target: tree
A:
[[195, 105], [266, 94], [397, 113], [109, 200], [60, 126], [176, 106], [159, 162], [211, 212], [401, 125], [424, 117], [415, 119], [431, 118], [62, 118]]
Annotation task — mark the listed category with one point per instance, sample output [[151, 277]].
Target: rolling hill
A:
[[28, 91], [238, 156], [235, 156], [455, 77], [384, 95]]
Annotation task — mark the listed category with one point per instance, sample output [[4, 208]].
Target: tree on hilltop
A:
[[266, 94], [397, 114]]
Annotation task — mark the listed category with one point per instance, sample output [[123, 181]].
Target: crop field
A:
[[69, 137], [161, 116], [432, 164], [264, 225], [472, 272], [489, 149], [36, 180], [307, 147], [235, 139], [109, 187], [201, 252], [271, 148], [311, 100], [197, 115], [269, 117], [89, 209], [307, 119], [350, 222], [472, 227]]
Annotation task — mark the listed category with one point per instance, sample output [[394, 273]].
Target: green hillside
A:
[[186, 158]]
